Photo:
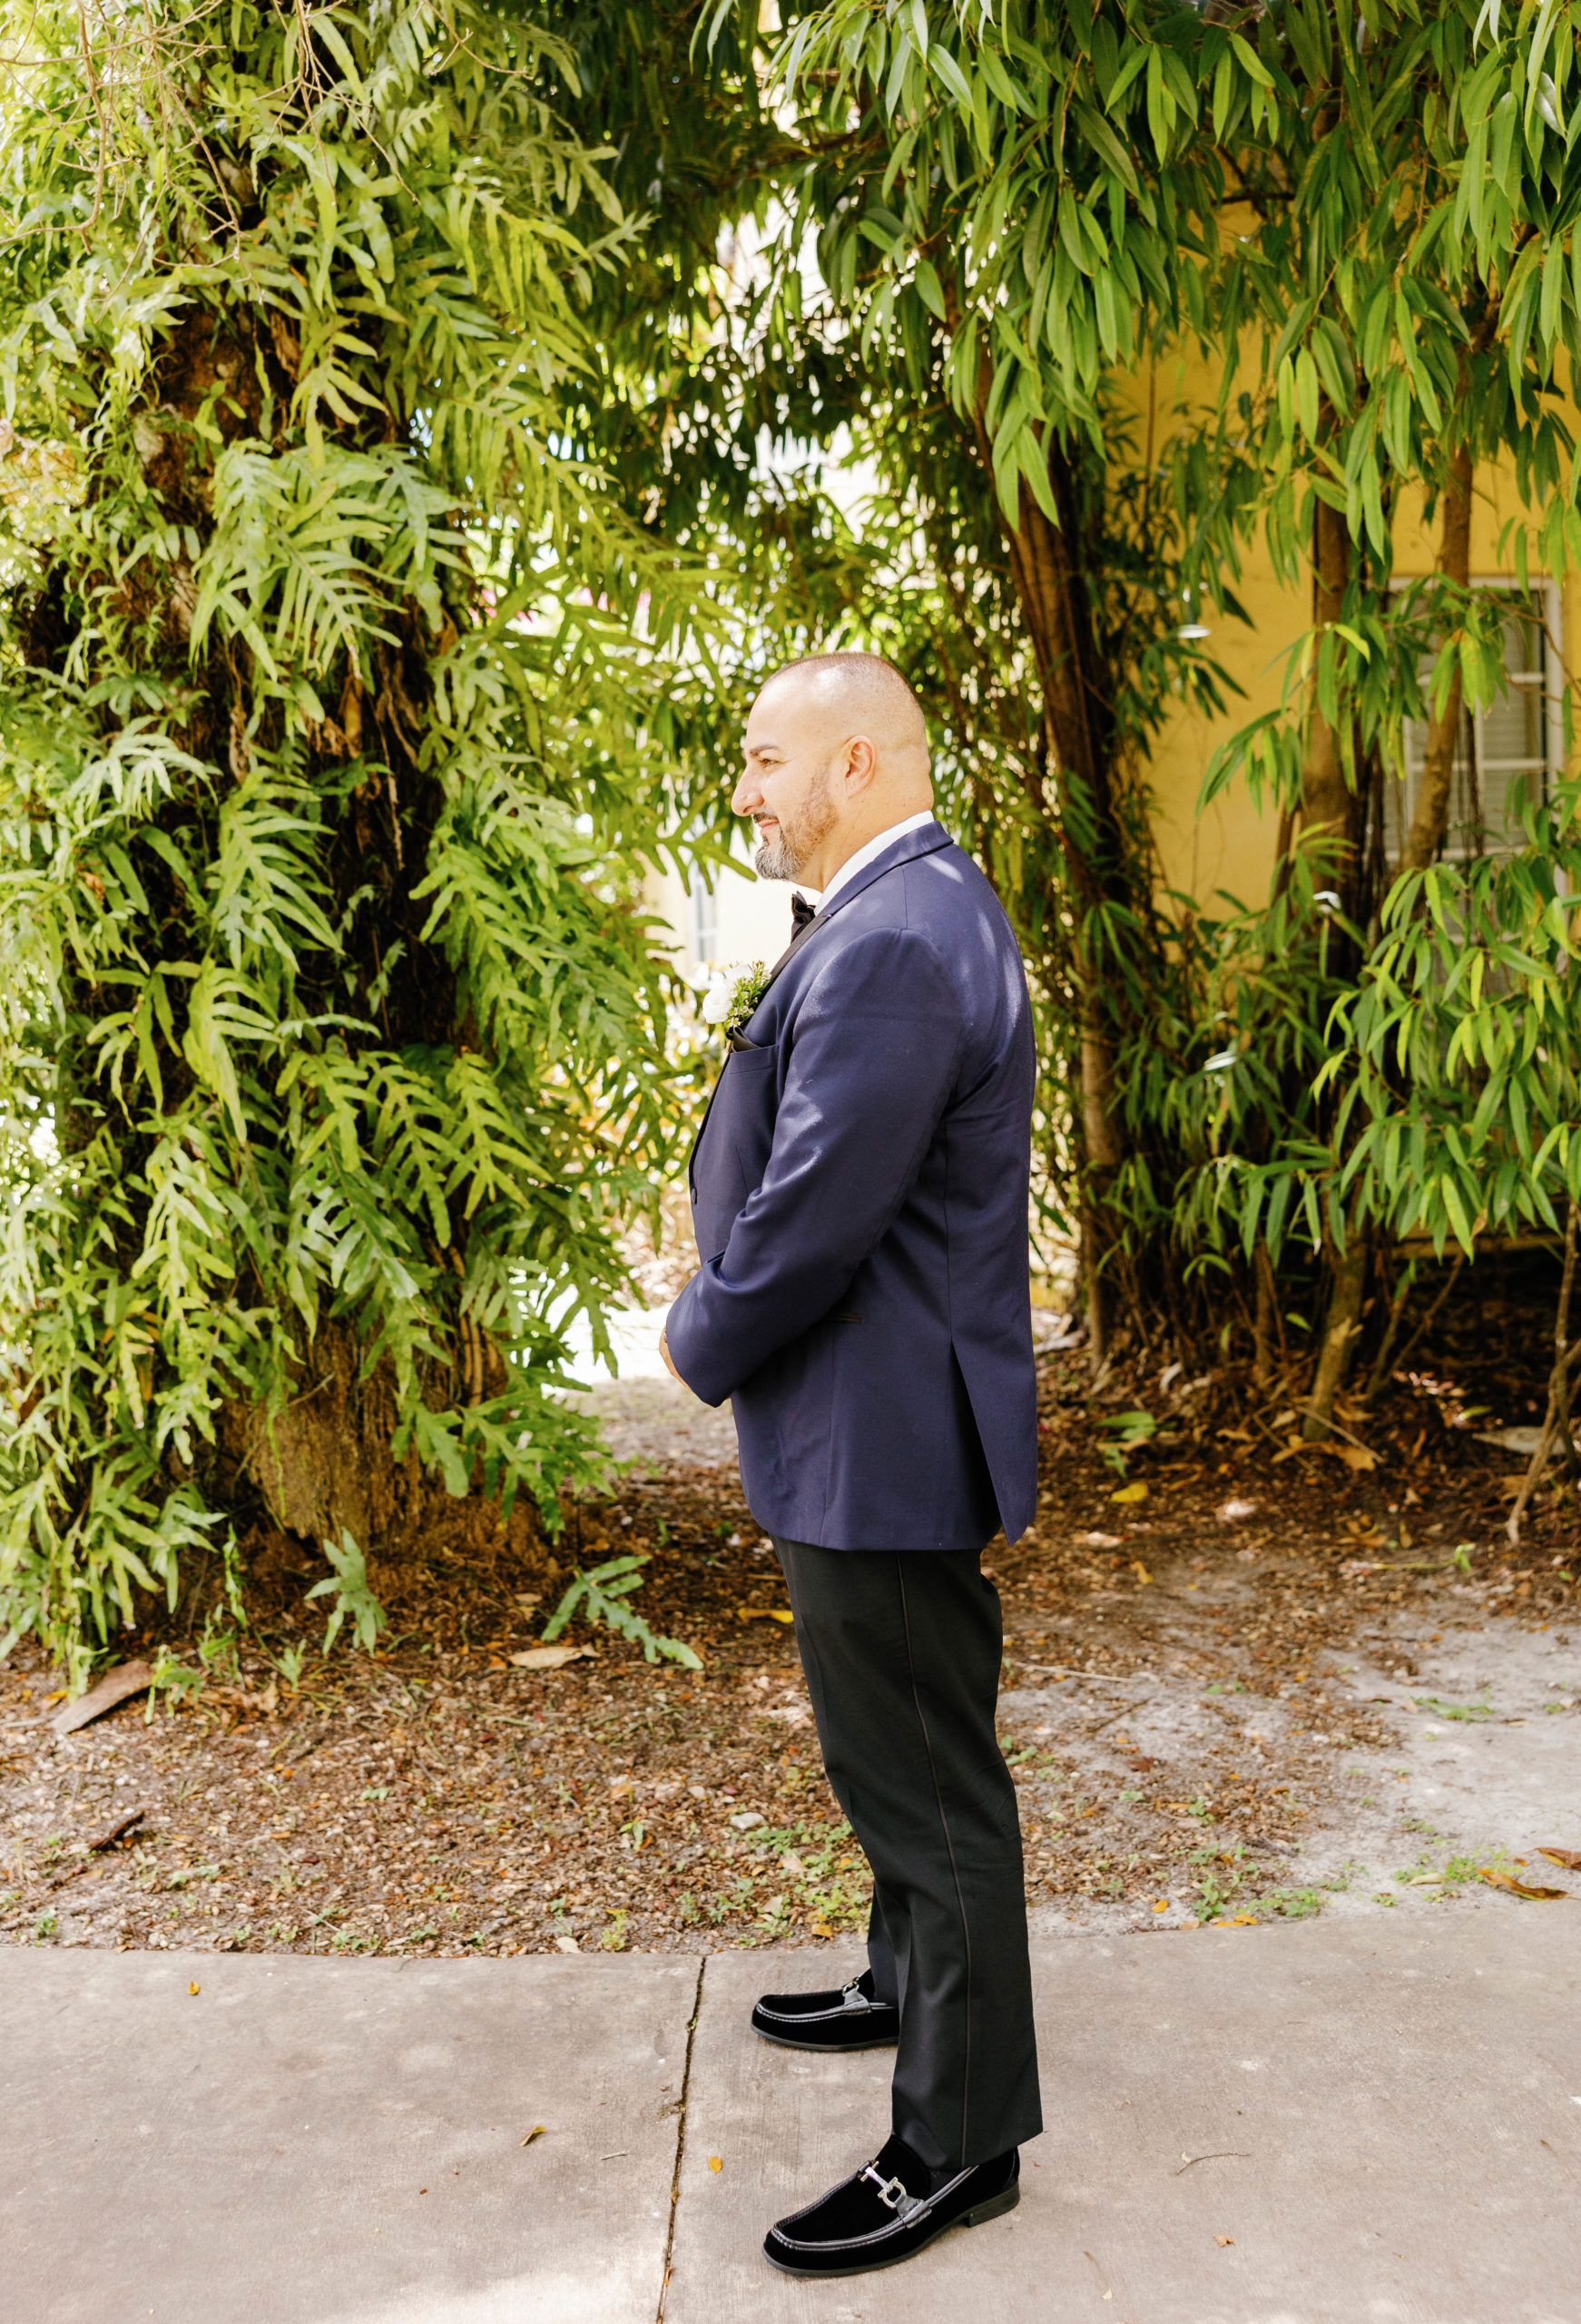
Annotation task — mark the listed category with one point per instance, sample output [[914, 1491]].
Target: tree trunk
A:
[[1048, 571], [1053, 591], [1429, 822], [1339, 1336], [1557, 1419], [1329, 807], [1266, 1320], [1328, 800]]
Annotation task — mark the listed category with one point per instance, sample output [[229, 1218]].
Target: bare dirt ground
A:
[[1281, 1680]]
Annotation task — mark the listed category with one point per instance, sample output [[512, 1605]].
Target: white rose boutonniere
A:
[[732, 1000]]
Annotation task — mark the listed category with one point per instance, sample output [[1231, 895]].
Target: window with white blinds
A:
[[1507, 754], [703, 921]]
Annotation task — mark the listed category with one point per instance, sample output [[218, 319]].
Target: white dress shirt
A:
[[871, 848]]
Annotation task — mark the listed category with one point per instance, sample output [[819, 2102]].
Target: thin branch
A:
[[1556, 1419]]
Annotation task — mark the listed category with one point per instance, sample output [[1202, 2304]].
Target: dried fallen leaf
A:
[[1140, 1571], [1355, 1456], [1224, 2240], [764, 1614], [1569, 1857], [716, 2163], [551, 1658], [118, 1830], [536, 2132], [194, 1988], [1518, 1887], [1512, 1439], [1131, 1492], [127, 1678]]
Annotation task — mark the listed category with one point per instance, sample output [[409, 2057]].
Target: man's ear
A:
[[861, 764]]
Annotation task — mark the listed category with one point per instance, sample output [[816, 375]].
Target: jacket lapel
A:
[[928, 840]]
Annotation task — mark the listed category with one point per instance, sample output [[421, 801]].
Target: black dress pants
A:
[[901, 1649]]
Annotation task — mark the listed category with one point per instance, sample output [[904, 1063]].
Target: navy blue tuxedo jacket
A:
[[859, 1192]]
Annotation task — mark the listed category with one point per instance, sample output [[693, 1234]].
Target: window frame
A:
[[702, 921], [1401, 790]]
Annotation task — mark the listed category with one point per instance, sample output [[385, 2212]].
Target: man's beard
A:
[[783, 856]]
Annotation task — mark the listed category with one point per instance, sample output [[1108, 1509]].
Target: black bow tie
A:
[[802, 914]]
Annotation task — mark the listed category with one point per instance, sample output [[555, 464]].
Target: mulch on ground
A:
[[433, 1798]]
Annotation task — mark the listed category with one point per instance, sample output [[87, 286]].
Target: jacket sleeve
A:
[[875, 1051]]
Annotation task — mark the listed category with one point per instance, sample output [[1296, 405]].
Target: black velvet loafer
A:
[[889, 2211], [849, 2019]]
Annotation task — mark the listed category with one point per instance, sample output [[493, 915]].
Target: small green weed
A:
[[353, 1595], [1301, 1903], [600, 1595], [1224, 1872], [172, 1682], [1126, 1432], [775, 1916], [289, 1665], [1289, 1904], [809, 1856]]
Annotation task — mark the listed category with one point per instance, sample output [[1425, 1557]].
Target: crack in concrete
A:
[[681, 2137]]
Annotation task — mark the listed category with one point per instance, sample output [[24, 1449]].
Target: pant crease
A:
[[949, 1845]]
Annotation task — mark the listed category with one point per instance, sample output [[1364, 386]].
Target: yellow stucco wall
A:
[[1227, 846]]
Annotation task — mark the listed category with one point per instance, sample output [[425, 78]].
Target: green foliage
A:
[[353, 1596], [600, 1595], [332, 1041], [415, 433], [1124, 1433], [1363, 230]]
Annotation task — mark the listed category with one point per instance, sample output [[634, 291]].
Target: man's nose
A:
[[747, 794]]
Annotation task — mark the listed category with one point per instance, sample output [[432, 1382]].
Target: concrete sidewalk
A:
[[1383, 2120]]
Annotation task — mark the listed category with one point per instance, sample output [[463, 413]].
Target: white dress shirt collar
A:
[[866, 854]]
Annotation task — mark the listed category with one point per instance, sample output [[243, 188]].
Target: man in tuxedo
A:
[[859, 1192]]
